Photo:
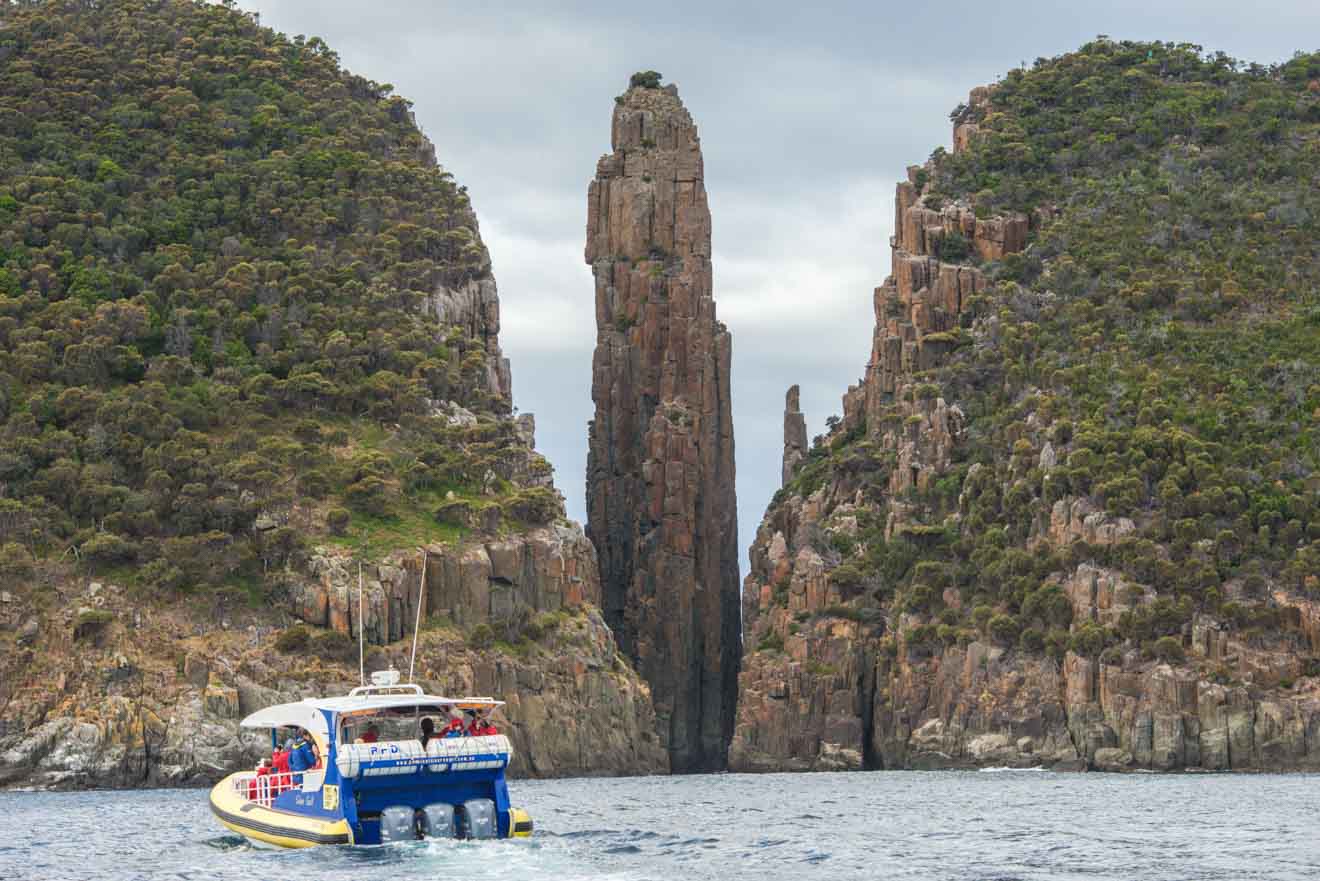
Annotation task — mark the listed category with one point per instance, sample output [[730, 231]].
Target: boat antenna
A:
[[362, 664], [417, 623]]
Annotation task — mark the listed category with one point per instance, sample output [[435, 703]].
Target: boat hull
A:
[[271, 826]]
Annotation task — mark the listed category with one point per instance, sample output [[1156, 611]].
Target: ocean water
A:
[[884, 825]]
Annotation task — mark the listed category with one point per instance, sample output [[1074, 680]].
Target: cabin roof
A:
[[306, 713]]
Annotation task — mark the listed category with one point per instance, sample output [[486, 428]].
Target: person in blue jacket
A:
[[301, 755]]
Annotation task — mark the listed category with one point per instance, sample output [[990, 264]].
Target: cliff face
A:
[[660, 473], [892, 622], [105, 688], [102, 688], [320, 392], [153, 696]]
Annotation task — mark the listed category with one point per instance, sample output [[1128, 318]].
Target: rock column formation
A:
[[660, 473], [795, 435]]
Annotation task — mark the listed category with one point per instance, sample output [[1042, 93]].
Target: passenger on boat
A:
[[428, 731], [371, 735], [480, 726], [257, 787], [302, 756], [279, 761], [455, 726]]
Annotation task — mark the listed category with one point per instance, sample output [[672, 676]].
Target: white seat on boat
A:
[[351, 757], [466, 746]]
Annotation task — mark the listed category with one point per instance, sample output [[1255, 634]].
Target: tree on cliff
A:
[[645, 79]]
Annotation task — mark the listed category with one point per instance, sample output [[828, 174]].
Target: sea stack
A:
[[660, 475], [795, 435]]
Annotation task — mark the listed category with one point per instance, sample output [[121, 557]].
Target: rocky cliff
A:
[[660, 471], [308, 390], [105, 686], [942, 583], [109, 692]]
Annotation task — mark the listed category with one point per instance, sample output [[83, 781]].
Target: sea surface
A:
[[993, 826]]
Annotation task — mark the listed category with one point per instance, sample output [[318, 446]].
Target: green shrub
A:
[[1089, 640], [1032, 641], [1004, 629], [534, 505], [371, 495], [645, 79], [106, 548], [293, 640], [848, 577], [337, 520], [163, 575], [91, 624], [332, 645], [843, 543], [931, 573], [923, 639], [839, 611], [953, 247], [1112, 656], [15, 564], [1168, 648], [315, 483], [1056, 643], [919, 599], [481, 637]]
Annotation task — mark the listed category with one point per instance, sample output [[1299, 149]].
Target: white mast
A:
[[362, 665], [417, 623]]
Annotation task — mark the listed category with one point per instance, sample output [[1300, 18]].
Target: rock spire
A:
[[660, 472], [795, 434]]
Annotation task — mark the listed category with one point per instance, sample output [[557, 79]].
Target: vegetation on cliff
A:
[[233, 285], [1071, 515], [249, 362], [1160, 334]]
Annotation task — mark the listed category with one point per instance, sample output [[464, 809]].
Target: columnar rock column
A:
[[795, 434], [660, 495]]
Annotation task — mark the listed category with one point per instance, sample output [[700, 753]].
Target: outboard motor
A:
[[480, 822], [398, 823], [438, 821]]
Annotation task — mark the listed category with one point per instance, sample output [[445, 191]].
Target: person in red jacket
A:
[[281, 776], [481, 726], [454, 728]]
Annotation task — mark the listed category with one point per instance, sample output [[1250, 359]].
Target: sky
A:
[[808, 116]]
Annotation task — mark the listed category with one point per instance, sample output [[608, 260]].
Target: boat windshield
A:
[[394, 723]]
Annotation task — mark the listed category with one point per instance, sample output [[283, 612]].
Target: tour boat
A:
[[372, 781]]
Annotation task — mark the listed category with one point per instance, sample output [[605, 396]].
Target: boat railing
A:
[[263, 788], [393, 688]]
